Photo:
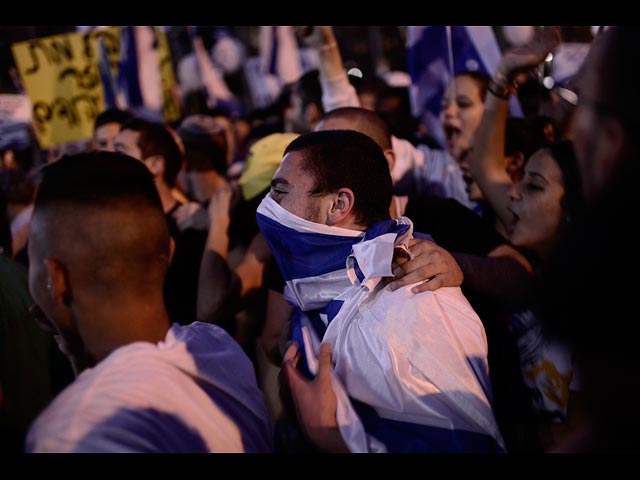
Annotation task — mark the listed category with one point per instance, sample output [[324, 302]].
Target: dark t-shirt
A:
[[181, 284]]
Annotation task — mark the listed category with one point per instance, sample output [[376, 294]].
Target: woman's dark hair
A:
[[565, 156]]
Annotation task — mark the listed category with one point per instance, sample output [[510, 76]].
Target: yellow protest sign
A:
[[60, 74], [170, 107]]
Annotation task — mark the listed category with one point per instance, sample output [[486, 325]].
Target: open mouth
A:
[[451, 132], [514, 222]]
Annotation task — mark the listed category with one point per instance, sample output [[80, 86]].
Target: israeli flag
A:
[[438, 53]]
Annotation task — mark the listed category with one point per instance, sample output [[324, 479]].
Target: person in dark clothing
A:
[[159, 149]]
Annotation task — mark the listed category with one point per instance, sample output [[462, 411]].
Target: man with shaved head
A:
[[100, 249]]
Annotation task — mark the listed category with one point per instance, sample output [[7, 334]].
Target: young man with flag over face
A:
[[410, 370]]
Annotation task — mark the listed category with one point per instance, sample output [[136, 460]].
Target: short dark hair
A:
[[526, 135], [101, 213], [156, 139], [364, 120], [205, 146], [112, 115], [95, 178], [346, 158], [309, 89]]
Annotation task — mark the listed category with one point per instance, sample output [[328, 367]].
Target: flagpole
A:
[[450, 52]]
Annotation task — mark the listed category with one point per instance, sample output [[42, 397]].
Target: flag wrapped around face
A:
[[411, 371], [435, 54]]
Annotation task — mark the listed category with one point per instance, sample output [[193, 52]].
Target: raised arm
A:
[[487, 159], [217, 286], [222, 291], [337, 91]]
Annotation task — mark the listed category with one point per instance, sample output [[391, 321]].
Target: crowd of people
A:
[[317, 277]]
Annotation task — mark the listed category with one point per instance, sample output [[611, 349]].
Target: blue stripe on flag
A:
[[273, 58], [405, 437], [106, 77], [128, 81], [313, 256]]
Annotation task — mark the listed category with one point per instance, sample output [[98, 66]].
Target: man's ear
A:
[[58, 283], [391, 158], [155, 163], [172, 248], [341, 207]]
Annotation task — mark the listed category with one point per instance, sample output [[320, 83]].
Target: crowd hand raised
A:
[[314, 400], [519, 63], [431, 264], [219, 203], [316, 36]]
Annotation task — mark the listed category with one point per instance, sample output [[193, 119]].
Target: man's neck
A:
[[167, 199], [114, 324]]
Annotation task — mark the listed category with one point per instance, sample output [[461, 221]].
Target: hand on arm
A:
[[431, 264]]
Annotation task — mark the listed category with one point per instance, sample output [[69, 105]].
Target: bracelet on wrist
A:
[[501, 90]]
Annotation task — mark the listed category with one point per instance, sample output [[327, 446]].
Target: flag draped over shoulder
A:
[[436, 54]]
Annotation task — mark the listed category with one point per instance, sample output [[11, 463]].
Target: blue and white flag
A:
[[128, 81], [410, 371], [109, 88], [436, 54]]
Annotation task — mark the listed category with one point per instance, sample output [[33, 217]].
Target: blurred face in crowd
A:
[[461, 114], [291, 188], [536, 204], [473, 190], [295, 115], [127, 142], [104, 137], [596, 159]]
